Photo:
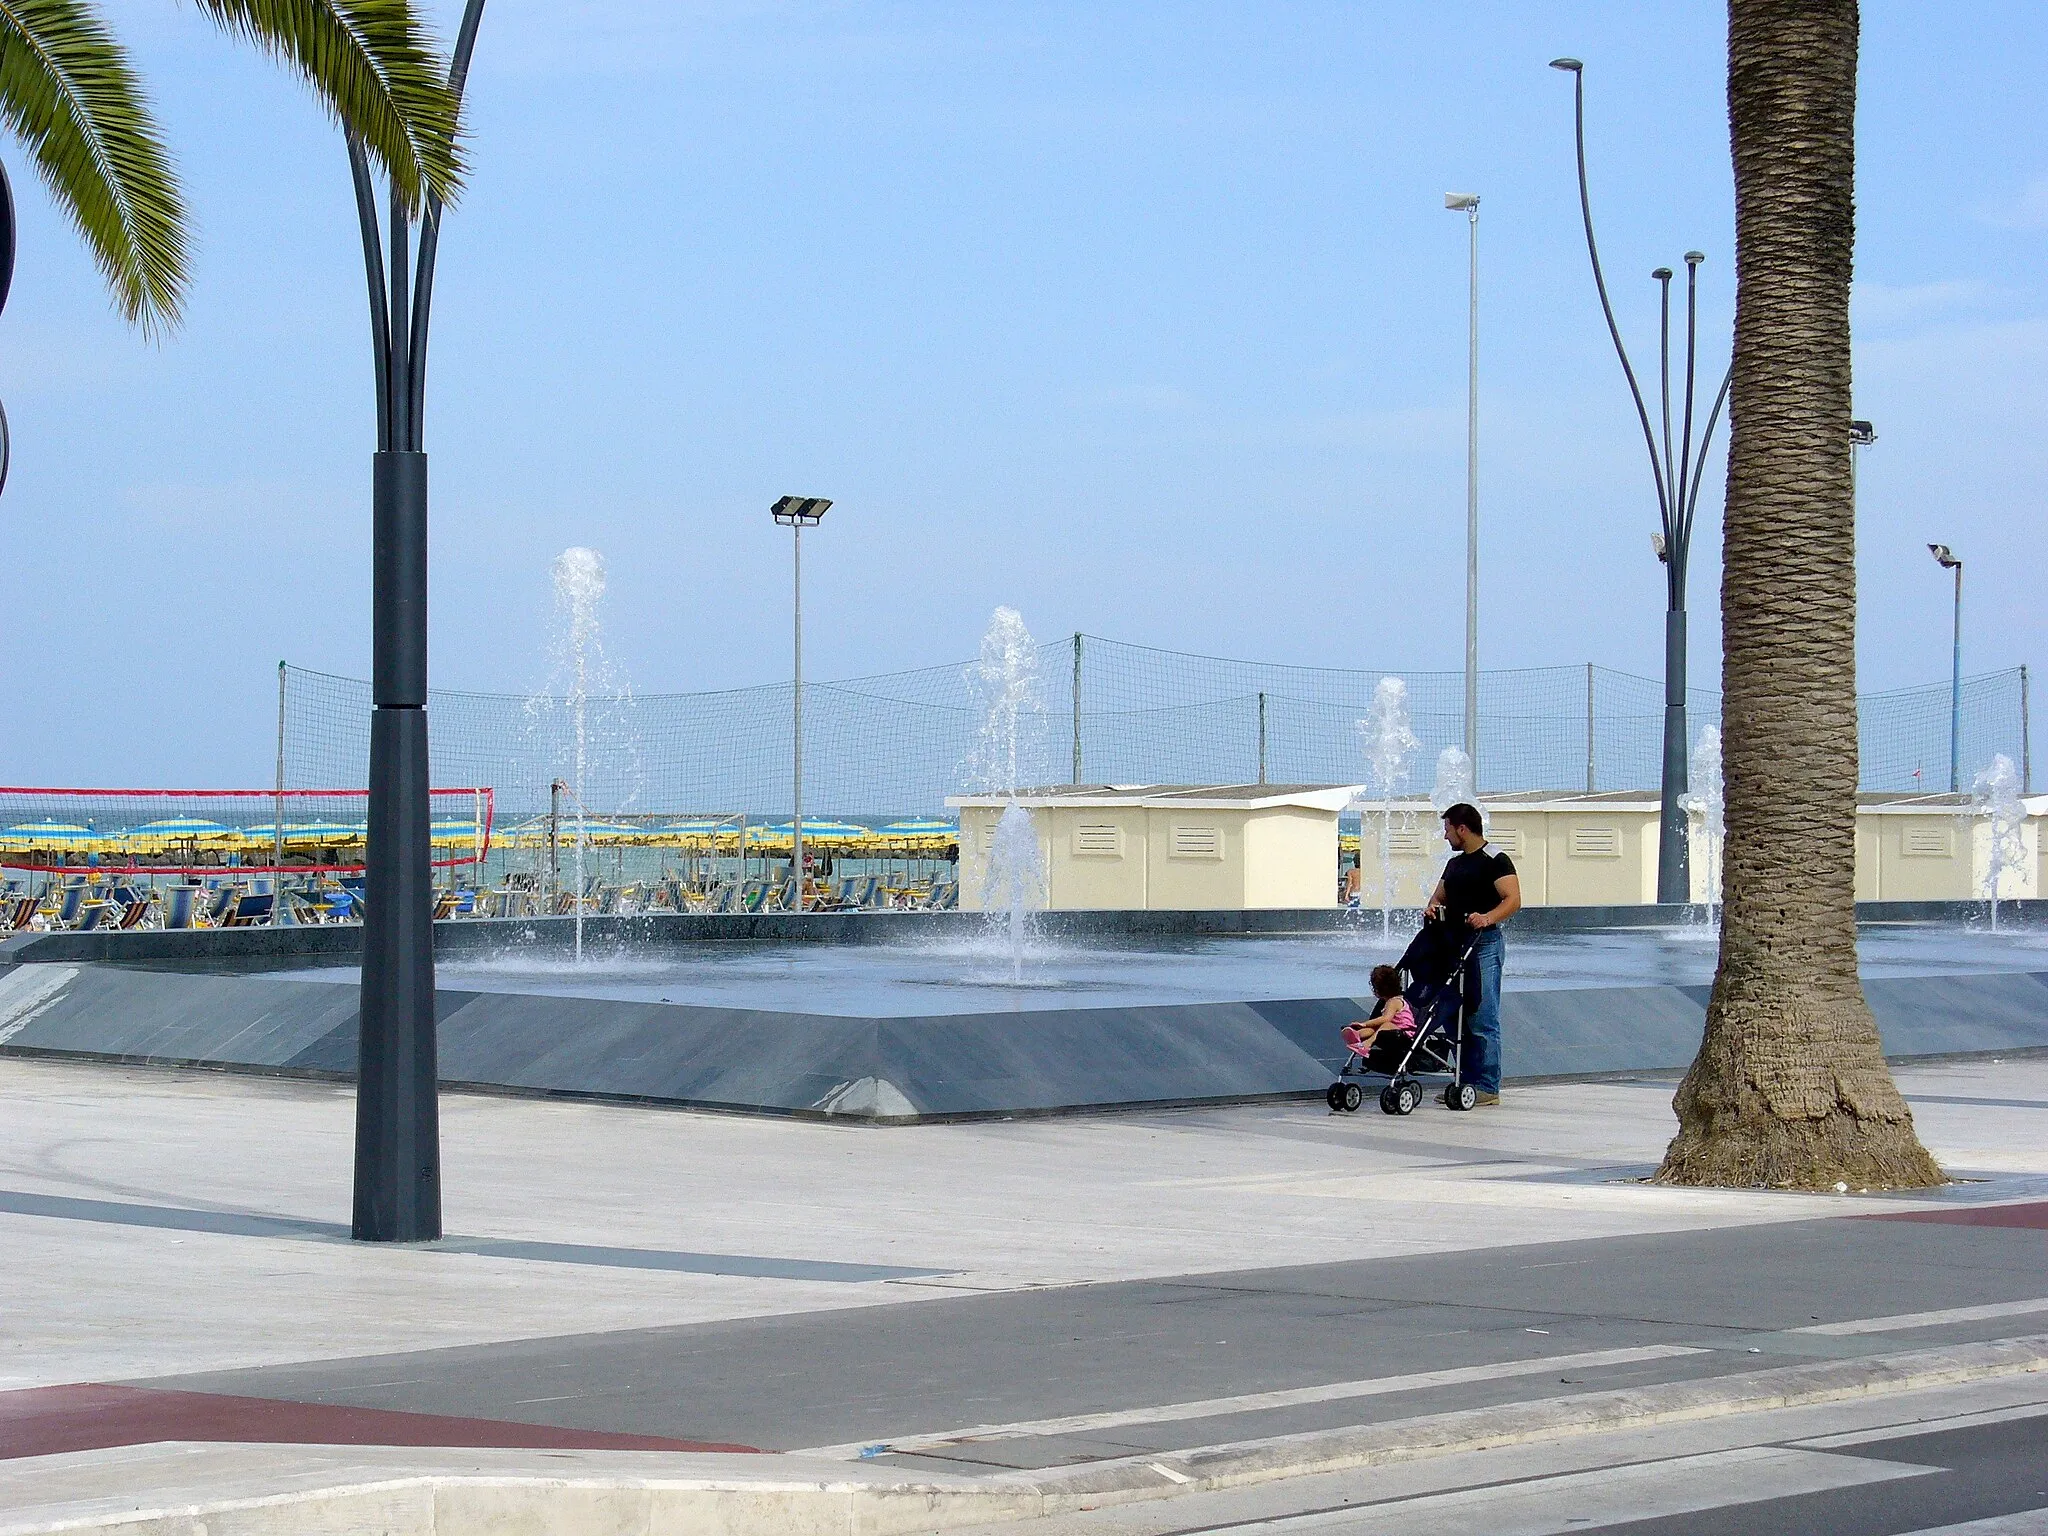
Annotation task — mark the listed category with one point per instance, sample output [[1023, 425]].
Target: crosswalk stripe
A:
[[1906, 1320], [1253, 1402]]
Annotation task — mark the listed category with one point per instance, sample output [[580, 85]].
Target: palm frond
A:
[[68, 94], [375, 67]]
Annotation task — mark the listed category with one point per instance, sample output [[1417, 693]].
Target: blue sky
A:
[[1146, 319]]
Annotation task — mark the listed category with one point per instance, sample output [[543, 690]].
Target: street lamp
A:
[[1677, 478], [1468, 204], [398, 1114], [796, 513], [1950, 561], [1861, 435]]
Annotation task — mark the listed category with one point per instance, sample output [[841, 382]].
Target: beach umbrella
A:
[[531, 833], [702, 833], [926, 830], [176, 831], [455, 832], [815, 831], [64, 835]]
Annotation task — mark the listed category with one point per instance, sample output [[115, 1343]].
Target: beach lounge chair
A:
[[21, 911], [444, 905], [944, 897], [134, 910], [753, 896], [69, 903], [250, 909], [89, 914], [178, 904], [223, 903]]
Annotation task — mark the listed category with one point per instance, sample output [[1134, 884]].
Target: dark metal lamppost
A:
[[398, 1125], [6, 284], [796, 513], [1678, 494], [1949, 560]]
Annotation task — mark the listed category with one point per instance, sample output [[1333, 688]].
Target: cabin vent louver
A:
[[1928, 843], [1595, 843], [1099, 841], [1197, 842]]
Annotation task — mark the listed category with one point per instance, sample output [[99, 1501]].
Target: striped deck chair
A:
[[20, 912], [69, 903], [250, 909]]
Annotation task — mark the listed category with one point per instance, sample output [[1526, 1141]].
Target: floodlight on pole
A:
[[796, 513], [1949, 560], [1467, 203]]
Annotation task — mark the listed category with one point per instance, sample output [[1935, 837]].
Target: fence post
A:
[[2026, 738], [277, 821], [1589, 728], [1262, 738], [1077, 706]]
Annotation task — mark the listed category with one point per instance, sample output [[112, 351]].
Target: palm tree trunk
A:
[[1790, 1088]]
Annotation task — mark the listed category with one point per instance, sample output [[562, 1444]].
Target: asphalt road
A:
[[1504, 1324]]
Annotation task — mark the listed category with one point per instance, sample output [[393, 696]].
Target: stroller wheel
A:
[[1407, 1096], [1334, 1097], [1353, 1097], [1390, 1101], [1460, 1096]]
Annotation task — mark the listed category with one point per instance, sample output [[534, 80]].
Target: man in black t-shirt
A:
[[1479, 891]]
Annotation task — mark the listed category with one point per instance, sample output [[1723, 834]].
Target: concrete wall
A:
[[1288, 858], [1170, 858]]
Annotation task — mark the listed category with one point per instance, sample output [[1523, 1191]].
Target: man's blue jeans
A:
[[1482, 1019]]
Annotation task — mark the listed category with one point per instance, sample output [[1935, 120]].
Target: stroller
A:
[[1436, 979]]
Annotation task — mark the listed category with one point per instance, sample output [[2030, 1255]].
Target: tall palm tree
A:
[[68, 95], [1790, 1088]]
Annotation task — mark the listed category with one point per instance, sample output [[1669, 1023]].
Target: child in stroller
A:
[[1428, 988], [1382, 1041]]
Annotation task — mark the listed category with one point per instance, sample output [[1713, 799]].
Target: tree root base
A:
[[1818, 1154]]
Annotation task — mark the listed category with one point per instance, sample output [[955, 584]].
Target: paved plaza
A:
[[643, 1294]]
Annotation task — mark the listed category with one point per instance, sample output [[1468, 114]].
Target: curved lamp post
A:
[[398, 1125], [6, 285], [1678, 494]]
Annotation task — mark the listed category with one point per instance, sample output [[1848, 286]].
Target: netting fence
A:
[[1102, 712]]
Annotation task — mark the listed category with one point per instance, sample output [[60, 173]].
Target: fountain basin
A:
[[895, 1032]]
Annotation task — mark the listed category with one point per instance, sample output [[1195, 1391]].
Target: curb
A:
[[473, 1502], [1237, 1463]]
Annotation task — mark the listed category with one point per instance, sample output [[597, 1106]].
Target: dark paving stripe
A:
[[1948, 1098], [873, 1372], [2031, 1217], [92, 1416], [246, 1224]]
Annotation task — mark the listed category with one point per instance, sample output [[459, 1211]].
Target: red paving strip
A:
[[89, 1416], [2032, 1216]]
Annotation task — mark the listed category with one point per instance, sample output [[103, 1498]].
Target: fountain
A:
[[589, 695], [1389, 743], [1005, 757], [1705, 801], [1996, 798], [1454, 783]]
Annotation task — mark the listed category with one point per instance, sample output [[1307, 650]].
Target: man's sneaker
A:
[[1481, 1101]]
